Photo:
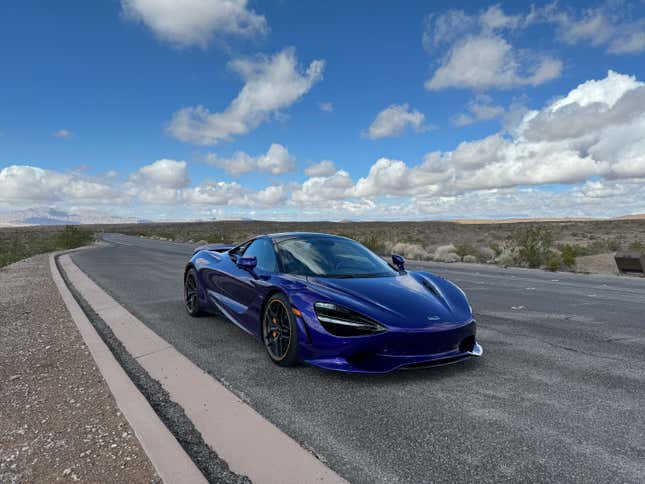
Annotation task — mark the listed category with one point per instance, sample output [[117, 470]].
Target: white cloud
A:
[[194, 22], [479, 56], [481, 109], [394, 120], [594, 131], [321, 189], [213, 193], [323, 168], [276, 161], [165, 173], [489, 61], [269, 197], [25, 183], [327, 107], [609, 25], [270, 85], [494, 18], [591, 199]]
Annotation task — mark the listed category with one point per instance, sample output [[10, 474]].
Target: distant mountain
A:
[[635, 216], [51, 216]]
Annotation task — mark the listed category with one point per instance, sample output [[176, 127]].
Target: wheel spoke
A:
[[276, 329]]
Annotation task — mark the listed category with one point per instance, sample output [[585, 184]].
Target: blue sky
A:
[[427, 110]]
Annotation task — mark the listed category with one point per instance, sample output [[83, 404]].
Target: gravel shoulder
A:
[[58, 419]]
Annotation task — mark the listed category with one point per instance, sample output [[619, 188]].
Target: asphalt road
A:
[[559, 394]]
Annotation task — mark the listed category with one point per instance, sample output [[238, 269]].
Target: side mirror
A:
[[247, 263], [398, 261]]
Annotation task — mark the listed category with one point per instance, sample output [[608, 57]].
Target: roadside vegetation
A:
[[550, 245], [547, 245], [19, 243]]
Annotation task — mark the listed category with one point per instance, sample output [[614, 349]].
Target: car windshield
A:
[[331, 257]]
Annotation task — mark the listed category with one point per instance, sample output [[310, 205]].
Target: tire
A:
[[279, 331], [191, 294]]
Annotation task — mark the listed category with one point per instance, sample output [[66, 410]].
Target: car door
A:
[[243, 288]]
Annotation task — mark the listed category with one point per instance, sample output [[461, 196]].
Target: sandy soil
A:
[[58, 419], [597, 264]]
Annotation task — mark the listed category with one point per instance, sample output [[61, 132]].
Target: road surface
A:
[[559, 394]]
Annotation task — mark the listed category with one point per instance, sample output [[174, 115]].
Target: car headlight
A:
[[341, 321]]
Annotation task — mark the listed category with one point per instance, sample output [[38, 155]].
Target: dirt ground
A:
[[597, 264], [58, 419]]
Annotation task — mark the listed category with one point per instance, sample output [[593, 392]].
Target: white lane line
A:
[[250, 444], [166, 455]]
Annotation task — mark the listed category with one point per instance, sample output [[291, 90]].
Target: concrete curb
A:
[[249, 443], [166, 455]]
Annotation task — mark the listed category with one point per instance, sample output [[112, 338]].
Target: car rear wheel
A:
[[279, 331], [191, 294]]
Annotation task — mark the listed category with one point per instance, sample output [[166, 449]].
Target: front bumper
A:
[[380, 363], [394, 350]]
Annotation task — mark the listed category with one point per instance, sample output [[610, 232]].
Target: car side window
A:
[[263, 251]]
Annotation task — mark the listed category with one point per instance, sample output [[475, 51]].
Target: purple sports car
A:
[[329, 301]]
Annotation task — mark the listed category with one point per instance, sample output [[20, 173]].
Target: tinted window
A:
[[331, 257], [262, 250]]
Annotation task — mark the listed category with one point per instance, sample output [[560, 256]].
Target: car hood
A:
[[409, 300]]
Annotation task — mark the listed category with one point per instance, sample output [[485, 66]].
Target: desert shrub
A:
[[71, 237], [374, 243], [534, 244], [451, 257], [410, 251], [637, 246], [446, 253], [496, 248], [462, 250], [486, 254], [614, 244], [470, 259], [20, 244], [569, 253], [508, 256], [554, 261]]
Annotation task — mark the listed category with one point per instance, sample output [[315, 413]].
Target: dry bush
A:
[[534, 244], [451, 257], [471, 259], [509, 256], [446, 253], [486, 254], [411, 251]]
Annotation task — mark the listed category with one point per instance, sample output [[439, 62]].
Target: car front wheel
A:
[[279, 331]]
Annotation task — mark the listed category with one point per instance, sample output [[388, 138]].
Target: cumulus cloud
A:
[[320, 189], [270, 85], [232, 194], [194, 22], [479, 56], [323, 168], [276, 161], [165, 173], [590, 141], [394, 120], [25, 183], [594, 131], [163, 182], [481, 108], [609, 25], [489, 61]]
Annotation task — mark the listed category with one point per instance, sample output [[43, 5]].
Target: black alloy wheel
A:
[[191, 294], [279, 331]]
